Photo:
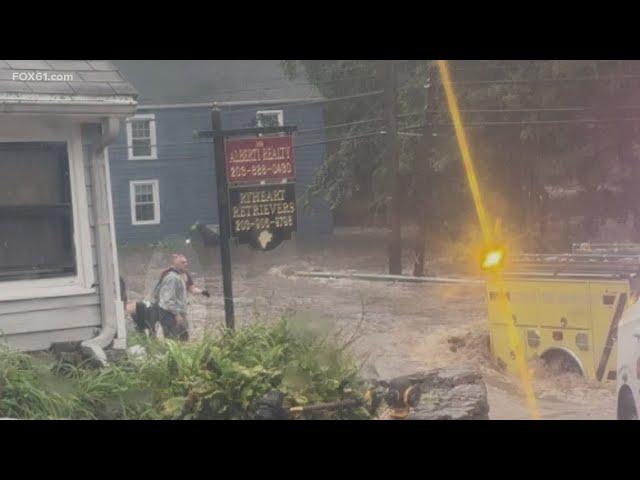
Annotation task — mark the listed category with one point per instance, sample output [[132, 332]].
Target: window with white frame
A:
[[36, 211], [269, 118], [141, 137], [145, 202]]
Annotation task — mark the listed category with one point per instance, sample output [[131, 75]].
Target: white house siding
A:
[[33, 324], [90, 134]]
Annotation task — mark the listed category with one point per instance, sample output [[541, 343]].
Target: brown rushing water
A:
[[399, 328]]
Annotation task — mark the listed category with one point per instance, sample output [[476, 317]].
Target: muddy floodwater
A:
[[395, 328]]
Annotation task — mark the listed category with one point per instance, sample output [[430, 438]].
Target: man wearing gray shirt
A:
[[171, 297], [169, 306]]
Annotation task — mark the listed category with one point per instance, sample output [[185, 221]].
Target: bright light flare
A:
[[515, 341], [493, 259]]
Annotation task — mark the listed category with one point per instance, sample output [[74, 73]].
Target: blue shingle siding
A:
[[184, 170], [186, 174]]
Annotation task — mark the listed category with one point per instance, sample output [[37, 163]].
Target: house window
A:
[[141, 137], [36, 217], [145, 202], [269, 118]]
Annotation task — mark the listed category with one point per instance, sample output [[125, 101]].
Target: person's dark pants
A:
[[147, 317], [171, 327]]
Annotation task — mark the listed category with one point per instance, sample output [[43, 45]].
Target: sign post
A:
[[255, 180], [223, 216]]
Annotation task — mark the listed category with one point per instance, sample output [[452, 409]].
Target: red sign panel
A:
[[255, 159]]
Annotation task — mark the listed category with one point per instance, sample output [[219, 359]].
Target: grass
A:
[[219, 377]]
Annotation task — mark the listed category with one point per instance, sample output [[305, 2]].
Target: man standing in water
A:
[[170, 298]]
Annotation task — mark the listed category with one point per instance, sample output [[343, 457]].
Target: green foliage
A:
[[515, 163], [352, 167], [219, 379], [216, 378], [24, 392]]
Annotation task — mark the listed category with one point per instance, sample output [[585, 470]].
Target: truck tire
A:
[[626, 405], [559, 361]]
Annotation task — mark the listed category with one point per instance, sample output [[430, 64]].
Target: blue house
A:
[[163, 177]]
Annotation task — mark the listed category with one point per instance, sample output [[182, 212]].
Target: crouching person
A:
[[169, 307]]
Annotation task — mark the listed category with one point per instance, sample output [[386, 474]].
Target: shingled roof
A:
[[81, 77]]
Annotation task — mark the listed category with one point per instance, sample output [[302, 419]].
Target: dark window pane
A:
[[36, 226], [268, 120], [141, 148], [144, 193], [145, 213], [140, 128]]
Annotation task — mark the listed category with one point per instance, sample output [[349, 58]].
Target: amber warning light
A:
[[493, 259]]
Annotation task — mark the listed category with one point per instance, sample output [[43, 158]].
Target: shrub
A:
[[216, 378]]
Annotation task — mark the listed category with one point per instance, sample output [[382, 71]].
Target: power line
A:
[[268, 87], [210, 142], [412, 114], [529, 122], [353, 137], [260, 87], [547, 80], [367, 66], [403, 129], [532, 110], [231, 110], [313, 101], [339, 125], [480, 67], [421, 125]]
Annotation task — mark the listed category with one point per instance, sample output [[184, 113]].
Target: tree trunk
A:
[[395, 218], [566, 232], [420, 246], [529, 204], [423, 156], [591, 217]]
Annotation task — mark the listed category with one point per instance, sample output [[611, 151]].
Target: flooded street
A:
[[395, 328]]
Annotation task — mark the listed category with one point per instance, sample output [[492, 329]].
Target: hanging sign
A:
[[263, 215], [252, 160]]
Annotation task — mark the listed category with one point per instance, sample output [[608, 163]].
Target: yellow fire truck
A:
[[565, 308]]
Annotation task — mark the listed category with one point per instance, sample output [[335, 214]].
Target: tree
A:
[[527, 124], [358, 168]]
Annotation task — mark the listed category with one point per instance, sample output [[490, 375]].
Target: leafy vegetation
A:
[[216, 378], [534, 126]]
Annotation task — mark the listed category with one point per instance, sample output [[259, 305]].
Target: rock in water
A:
[[452, 393]]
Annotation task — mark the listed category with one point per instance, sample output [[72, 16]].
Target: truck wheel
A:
[[559, 361], [626, 405]]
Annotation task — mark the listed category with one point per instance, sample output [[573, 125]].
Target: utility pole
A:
[[223, 216], [395, 212], [423, 155]]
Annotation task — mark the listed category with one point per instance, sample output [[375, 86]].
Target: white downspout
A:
[[120, 342], [94, 347]]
